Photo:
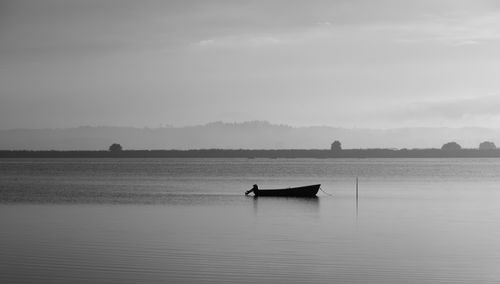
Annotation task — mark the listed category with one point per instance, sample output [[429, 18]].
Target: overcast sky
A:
[[376, 64]]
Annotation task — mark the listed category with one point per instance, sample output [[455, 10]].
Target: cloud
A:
[[480, 111], [253, 41], [459, 108], [314, 33], [455, 29]]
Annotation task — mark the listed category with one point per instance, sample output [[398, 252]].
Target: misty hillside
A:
[[246, 135]]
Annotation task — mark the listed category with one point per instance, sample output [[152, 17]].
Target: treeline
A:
[[242, 153]]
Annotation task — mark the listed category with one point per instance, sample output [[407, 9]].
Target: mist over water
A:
[[244, 135], [187, 221]]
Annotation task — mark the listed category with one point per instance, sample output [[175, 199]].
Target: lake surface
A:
[[187, 221]]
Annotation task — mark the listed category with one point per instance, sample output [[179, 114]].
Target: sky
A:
[[353, 64]]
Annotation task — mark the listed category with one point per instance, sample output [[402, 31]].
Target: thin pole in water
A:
[[356, 189], [356, 197]]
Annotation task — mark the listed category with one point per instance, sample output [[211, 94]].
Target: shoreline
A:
[[250, 154]]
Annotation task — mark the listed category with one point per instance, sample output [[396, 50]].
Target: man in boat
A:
[[254, 189]]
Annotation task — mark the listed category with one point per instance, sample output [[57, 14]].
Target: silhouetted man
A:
[[255, 189]]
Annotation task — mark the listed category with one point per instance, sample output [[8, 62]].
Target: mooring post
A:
[[356, 197], [356, 190]]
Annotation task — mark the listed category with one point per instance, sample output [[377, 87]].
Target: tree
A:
[[115, 147], [487, 145], [451, 146], [336, 146]]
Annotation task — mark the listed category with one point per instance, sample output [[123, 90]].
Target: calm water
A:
[[187, 221]]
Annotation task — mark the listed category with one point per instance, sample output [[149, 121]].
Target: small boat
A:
[[301, 191]]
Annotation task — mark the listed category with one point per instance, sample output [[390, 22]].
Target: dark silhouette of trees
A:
[[115, 147], [451, 146], [487, 145], [336, 146]]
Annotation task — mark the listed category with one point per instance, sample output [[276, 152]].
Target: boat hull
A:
[[302, 191]]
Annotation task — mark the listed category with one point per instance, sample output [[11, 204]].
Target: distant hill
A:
[[246, 135]]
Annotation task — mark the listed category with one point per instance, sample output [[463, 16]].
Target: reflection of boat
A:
[[301, 191]]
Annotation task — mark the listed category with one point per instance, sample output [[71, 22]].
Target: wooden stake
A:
[[356, 198], [356, 189]]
